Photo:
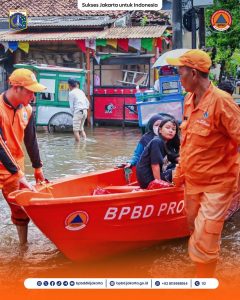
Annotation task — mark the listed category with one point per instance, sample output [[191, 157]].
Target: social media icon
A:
[[52, 283], [112, 283], [157, 283], [59, 283], [39, 283], [65, 283], [72, 283], [45, 283]]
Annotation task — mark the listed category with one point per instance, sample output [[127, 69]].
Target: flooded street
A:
[[104, 148]]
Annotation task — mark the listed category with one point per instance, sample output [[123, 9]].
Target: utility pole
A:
[[177, 24], [201, 17], [193, 27]]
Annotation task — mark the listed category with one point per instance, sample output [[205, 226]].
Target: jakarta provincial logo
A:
[[76, 220], [221, 20], [17, 19]]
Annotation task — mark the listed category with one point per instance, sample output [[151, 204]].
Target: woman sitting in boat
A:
[[152, 131], [160, 156]]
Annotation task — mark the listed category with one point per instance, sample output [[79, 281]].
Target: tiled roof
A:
[[110, 33], [40, 8], [157, 17], [134, 32], [47, 8]]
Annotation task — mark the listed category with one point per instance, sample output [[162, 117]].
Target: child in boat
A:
[[159, 158], [152, 131]]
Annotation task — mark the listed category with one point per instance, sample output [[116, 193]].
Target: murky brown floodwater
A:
[[104, 148]]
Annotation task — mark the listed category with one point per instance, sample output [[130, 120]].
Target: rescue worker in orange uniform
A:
[[17, 127], [209, 165], [228, 87]]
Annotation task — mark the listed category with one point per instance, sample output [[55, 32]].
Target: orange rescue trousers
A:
[[205, 214], [10, 184]]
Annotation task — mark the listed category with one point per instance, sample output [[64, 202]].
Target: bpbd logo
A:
[[76, 220], [221, 20], [17, 20]]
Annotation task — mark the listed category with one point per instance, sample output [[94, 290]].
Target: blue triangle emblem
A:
[[77, 219], [221, 20]]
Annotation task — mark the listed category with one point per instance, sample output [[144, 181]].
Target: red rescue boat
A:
[[86, 226]]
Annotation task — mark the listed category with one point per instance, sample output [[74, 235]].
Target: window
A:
[[49, 93], [63, 90]]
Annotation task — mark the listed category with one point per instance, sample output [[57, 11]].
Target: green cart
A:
[[52, 106]]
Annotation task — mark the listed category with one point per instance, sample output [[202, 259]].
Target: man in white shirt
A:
[[79, 105]]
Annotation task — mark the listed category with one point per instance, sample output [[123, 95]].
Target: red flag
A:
[[123, 43], [82, 45], [159, 44]]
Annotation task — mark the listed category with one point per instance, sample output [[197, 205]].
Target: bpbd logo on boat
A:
[[76, 220]]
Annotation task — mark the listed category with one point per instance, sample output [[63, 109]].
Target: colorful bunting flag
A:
[[167, 40], [91, 44], [158, 44], [24, 46], [167, 33], [147, 43], [105, 56], [5, 45], [112, 43], [97, 59], [82, 45], [12, 46], [135, 43], [101, 42], [123, 43]]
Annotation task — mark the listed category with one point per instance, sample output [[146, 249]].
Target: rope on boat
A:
[[47, 185]]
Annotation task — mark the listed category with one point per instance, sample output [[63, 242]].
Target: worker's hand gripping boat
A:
[[100, 214]]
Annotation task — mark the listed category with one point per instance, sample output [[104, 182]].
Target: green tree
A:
[[225, 42]]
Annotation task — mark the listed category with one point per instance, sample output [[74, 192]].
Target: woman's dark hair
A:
[[156, 117], [172, 146], [151, 122]]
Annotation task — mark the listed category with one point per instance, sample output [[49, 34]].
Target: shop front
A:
[[115, 80], [116, 62]]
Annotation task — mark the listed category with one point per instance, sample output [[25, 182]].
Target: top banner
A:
[[120, 5]]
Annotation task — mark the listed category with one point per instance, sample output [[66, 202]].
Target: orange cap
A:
[[27, 79], [196, 59]]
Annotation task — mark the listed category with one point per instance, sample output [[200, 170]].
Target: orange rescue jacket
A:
[[13, 123], [209, 146]]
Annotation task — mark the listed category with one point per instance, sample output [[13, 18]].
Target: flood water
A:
[[104, 148]]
